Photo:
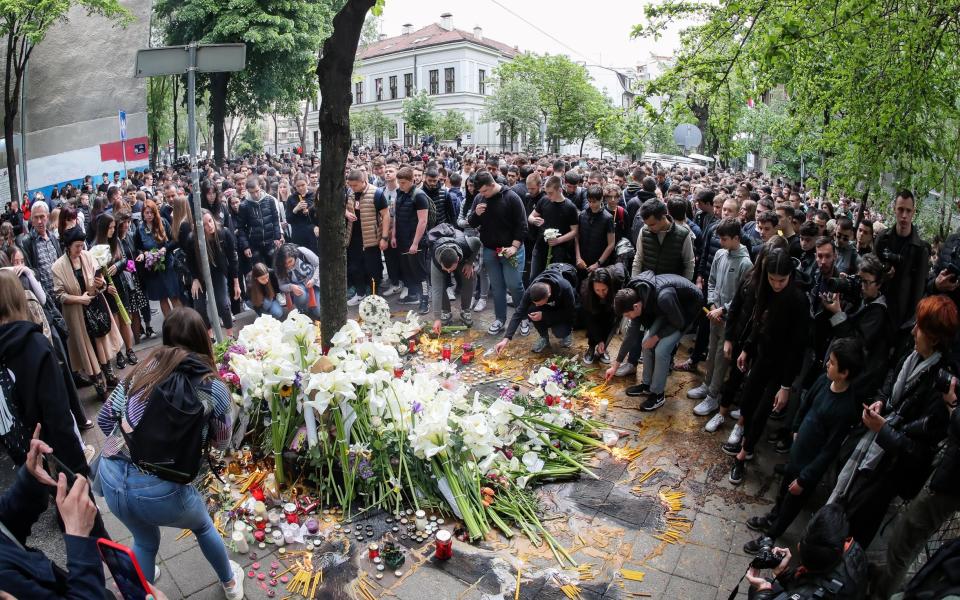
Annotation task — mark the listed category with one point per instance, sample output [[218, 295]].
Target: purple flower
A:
[[297, 379], [131, 266], [364, 470], [416, 407]]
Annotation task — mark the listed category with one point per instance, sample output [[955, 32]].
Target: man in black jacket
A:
[[452, 253], [908, 256], [258, 224], [664, 306], [551, 304]]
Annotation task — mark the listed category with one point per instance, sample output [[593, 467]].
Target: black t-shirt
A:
[[592, 233], [557, 215]]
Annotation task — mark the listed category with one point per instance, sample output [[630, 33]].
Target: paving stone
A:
[[701, 564], [117, 530], [642, 512], [652, 552], [430, 583], [654, 582], [678, 587], [170, 546], [190, 570], [711, 531]]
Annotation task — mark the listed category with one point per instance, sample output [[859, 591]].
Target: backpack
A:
[[14, 434], [568, 272], [170, 440], [431, 209]]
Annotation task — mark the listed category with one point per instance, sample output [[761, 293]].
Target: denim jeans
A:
[[504, 277], [272, 308], [144, 503], [302, 302], [656, 361]]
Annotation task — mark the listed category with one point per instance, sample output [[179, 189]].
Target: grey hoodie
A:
[[726, 273]]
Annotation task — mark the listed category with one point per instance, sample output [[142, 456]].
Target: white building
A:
[[454, 66]]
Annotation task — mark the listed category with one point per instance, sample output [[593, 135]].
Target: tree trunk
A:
[[582, 142], [863, 207], [218, 112], [9, 117], [334, 71], [276, 136], [176, 119]]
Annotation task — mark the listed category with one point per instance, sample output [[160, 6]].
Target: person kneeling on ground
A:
[[832, 565], [550, 303], [666, 306], [453, 252]]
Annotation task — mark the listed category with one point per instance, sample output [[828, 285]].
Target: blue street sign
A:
[[123, 126]]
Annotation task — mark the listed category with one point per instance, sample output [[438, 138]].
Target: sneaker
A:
[[731, 449], [605, 358], [121, 360], [451, 293], [510, 300], [783, 446], [351, 292], [480, 305], [466, 317], [735, 414], [235, 592], [525, 327], [541, 345], [156, 573], [410, 299], [698, 393], [424, 304], [706, 407], [714, 423], [354, 300], [653, 402], [626, 369], [391, 290], [753, 546], [638, 390], [445, 318], [736, 435], [777, 415], [589, 356], [567, 341], [495, 327], [737, 471], [761, 524]]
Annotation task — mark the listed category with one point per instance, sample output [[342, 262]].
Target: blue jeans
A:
[[303, 300], [144, 503], [656, 362], [504, 277], [272, 308]]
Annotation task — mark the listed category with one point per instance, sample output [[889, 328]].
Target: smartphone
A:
[[61, 468], [125, 569]]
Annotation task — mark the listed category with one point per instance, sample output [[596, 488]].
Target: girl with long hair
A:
[[212, 199], [262, 293], [107, 234], [143, 501], [153, 235], [597, 294], [222, 258], [772, 353], [139, 307], [298, 272], [66, 219]]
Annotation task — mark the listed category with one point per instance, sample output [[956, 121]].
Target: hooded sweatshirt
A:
[[673, 298], [40, 395], [726, 273]]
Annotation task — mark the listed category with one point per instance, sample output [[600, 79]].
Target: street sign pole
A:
[[123, 140], [177, 60]]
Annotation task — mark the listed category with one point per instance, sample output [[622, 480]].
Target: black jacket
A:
[[28, 243], [503, 221], [820, 425], [41, 398], [870, 323], [258, 223], [222, 261], [906, 287], [673, 297], [633, 206], [561, 306], [15, 219], [778, 336], [851, 572], [445, 211], [946, 476]]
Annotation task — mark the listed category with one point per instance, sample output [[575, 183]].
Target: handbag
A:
[[96, 316]]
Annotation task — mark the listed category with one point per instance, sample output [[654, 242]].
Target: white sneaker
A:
[[391, 290], [495, 327], [626, 369], [698, 393], [706, 407], [355, 300], [736, 435], [480, 305], [451, 293], [236, 592], [714, 423], [735, 414], [525, 327]]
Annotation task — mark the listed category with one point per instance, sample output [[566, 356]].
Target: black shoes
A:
[[653, 402], [761, 524], [737, 472], [638, 389], [753, 546], [132, 357], [121, 360], [424, 304]]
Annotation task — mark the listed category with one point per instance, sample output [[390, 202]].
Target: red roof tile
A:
[[431, 35]]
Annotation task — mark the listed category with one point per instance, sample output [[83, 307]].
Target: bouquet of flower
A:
[[102, 257], [551, 233], [375, 313], [154, 260], [502, 253]]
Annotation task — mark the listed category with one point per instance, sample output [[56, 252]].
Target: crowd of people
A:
[[813, 326]]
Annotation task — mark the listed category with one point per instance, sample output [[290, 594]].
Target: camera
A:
[[952, 260], [845, 286], [943, 380], [890, 257], [766, 558]]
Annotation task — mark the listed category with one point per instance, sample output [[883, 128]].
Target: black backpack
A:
[[568, 272], [170, 440], [14, 433]]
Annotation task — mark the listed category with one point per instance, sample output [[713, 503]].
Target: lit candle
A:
[[240, 542], [602, 407], [278, 538], [444, 545], [421, 520]]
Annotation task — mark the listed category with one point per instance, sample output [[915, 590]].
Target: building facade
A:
[[453, 66]]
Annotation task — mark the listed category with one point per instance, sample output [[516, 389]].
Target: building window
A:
[[378, 85], [434, 82], [482, 79], [358, 93], [448, 81], [407, 85], [394, 135], [407, 135], [316, 139], [393, 87]]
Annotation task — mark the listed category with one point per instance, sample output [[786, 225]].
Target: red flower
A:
[[549, 400]]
